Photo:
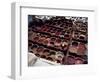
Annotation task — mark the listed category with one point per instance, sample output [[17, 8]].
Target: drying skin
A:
[[31, 59]]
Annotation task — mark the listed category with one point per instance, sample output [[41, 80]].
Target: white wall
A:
[[5, 35]]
